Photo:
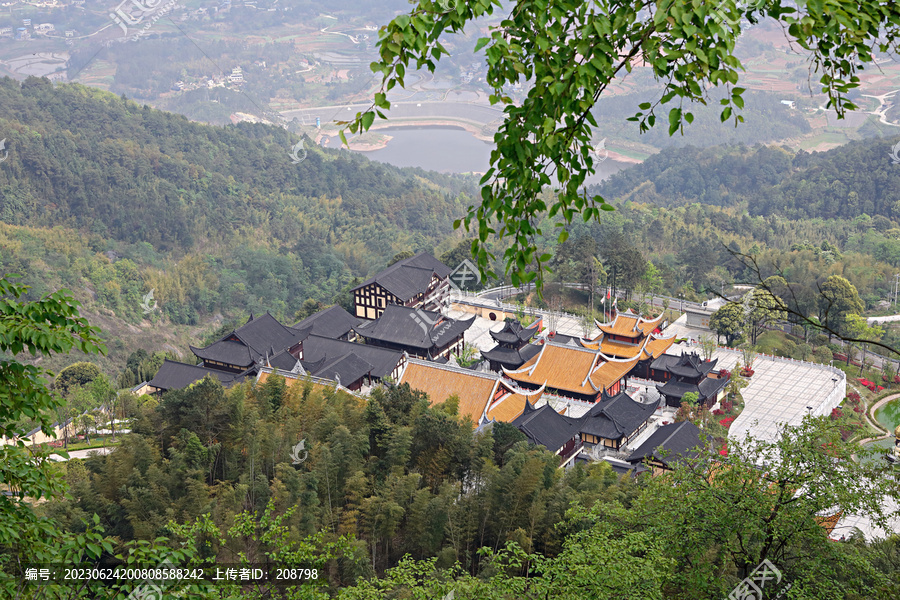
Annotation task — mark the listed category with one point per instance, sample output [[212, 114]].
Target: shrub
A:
[[822, 355]]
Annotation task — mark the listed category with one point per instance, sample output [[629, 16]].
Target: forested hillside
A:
[[211, 218], [857, 178]]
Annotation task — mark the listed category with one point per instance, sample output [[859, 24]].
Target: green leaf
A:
[[481, 43]]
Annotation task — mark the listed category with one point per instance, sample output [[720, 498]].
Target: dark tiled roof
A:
[[232, 353], [707, 388], [545, 427], [676, 441], [313, 366], [284, 360], [333, 322], [711, 386], [621, 467], [346, 369], [688, 365], [173, 375], [514, 333], [509, 358], [383, 360], [560, 338], [409, 277], [677, 389], [616, 417], [414, 328], [259, 337]]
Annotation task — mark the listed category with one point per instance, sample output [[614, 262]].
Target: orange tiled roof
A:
[[830, 522], [609, 372], [629, 324], [571, 369], [656, 347], [480, 395], [508, 408], [474, 390]]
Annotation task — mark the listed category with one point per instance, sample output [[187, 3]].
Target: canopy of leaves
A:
[[728, 322], [45, 327], [76, 374]]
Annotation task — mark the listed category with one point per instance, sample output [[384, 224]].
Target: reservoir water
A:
[[889, 415], [448, 150]]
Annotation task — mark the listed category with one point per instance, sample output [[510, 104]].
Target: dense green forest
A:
[[397, 498], [859, 178], [211, 218]]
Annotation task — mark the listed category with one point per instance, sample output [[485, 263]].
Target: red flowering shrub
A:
[[726, 422], [854, 397], [836, 414], [727, 405], [724, 450], [718, 412]]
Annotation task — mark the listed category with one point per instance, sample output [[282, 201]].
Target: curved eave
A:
[[528, 370]]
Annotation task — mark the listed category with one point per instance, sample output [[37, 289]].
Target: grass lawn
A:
[[770, 341], [824, 138]]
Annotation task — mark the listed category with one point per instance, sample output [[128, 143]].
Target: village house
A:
[[420, 281]]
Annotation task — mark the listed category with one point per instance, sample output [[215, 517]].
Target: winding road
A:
[[882, 107]]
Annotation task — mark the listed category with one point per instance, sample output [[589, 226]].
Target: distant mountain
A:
[[861, 177], [214, 218]]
